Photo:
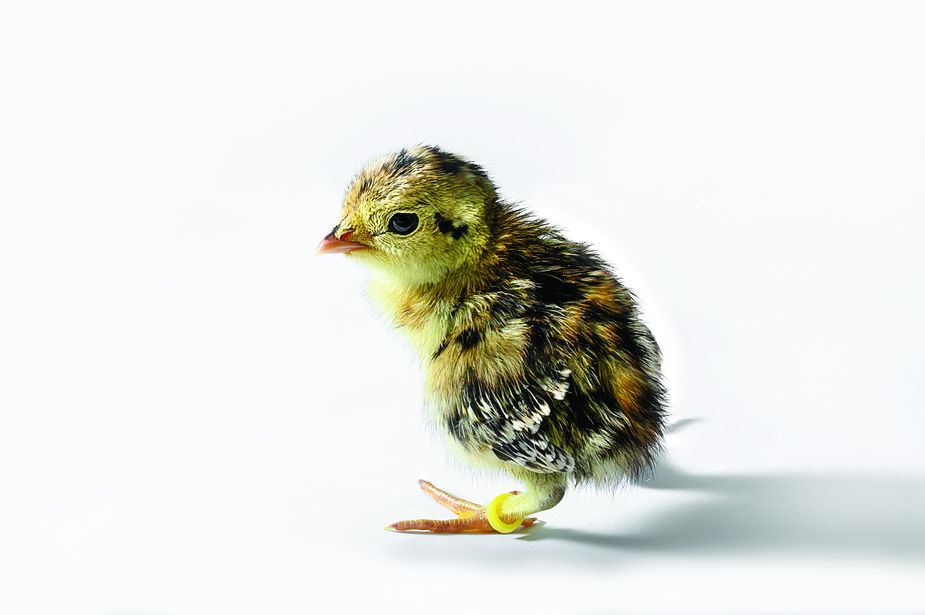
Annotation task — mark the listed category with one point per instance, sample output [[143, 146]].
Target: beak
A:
[[332, 245]]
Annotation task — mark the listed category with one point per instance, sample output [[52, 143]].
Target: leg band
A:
[[491, 511]]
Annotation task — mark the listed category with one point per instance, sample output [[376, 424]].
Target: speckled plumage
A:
[[535, 357]]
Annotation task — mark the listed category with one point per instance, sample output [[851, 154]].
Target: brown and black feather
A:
[[590, 390]]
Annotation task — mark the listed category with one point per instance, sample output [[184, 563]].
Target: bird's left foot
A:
[[470, 517]]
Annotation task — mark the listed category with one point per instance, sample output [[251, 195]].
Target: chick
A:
[[536, 361]]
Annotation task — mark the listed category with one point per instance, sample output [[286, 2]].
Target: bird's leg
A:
[[504, 514]]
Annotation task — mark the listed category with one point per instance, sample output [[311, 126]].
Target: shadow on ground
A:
[[813, 513], [833, 515]]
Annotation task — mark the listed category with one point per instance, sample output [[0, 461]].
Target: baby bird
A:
[[536, 361]]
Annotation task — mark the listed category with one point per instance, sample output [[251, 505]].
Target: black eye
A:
[[403, 223]]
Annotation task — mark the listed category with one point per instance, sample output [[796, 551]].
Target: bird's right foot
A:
[[470, 517]]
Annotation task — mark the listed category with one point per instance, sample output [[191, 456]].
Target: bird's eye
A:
[[403, 223]]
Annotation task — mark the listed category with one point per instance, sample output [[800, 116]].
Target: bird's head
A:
[[415, 215]]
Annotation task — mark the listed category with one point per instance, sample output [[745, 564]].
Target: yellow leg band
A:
[[491, 511]]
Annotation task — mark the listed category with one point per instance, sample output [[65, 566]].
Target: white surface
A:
[[198, 416]]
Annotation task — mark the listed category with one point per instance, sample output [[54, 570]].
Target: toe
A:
[[474, 523], [461, 507]]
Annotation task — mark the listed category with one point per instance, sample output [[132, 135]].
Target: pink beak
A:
[[332, 245]]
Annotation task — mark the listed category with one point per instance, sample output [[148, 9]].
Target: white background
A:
[[198, 416]]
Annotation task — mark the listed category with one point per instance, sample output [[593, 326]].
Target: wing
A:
[[510, 419]]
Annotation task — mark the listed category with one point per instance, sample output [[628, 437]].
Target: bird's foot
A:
[[470, 517]]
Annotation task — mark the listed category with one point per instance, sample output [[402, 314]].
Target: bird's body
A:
[[536, 361]]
